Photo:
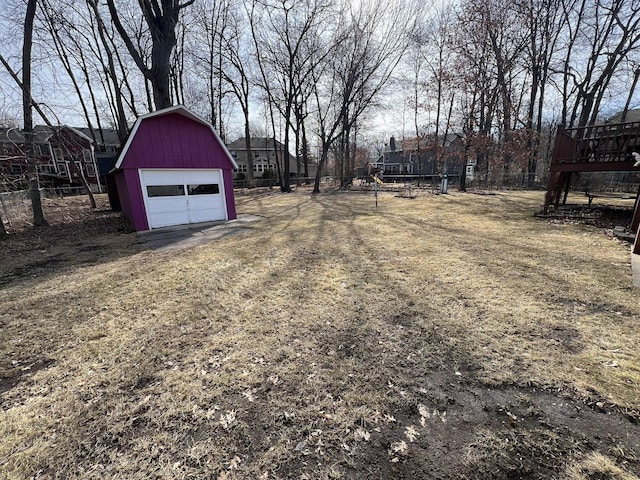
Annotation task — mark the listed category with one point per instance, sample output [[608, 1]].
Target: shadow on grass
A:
[[45, 252]]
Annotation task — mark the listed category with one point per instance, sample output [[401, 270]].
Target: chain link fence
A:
[[15, 207]]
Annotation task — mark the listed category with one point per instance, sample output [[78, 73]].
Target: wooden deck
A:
[[597, 148]]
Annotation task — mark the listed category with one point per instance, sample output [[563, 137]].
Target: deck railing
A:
[[597, 143]]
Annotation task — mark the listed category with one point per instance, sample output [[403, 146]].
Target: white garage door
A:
[[177, 197]]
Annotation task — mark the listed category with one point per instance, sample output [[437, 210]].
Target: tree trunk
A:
[[305, 153], [32, 159], [463, 174], [286, 177], [77, 166], [297, 151], [251, 181], [3, 230], [162, 21], [160, 71], [316, 183]]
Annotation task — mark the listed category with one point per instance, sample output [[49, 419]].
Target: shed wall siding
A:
[[155, 145], [136, 200], [228, 193], [123, 193]]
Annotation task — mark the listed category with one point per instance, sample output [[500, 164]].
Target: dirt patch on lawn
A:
[[501, 432], [75, 235]]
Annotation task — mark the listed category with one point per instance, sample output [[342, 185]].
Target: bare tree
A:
[[367, 49], [112, 84], [72, 149], [437, 49], [161, 20], [32, 161], [282, 32], [236, 54], [544, 30], [490, 43], [602, 35], [211, 22], [55, 23]]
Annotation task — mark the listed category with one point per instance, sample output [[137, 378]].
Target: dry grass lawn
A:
[[451, 336]]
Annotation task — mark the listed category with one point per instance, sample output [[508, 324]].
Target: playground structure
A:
[[598, 148]]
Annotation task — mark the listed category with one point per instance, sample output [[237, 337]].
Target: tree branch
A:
[[127, 40]]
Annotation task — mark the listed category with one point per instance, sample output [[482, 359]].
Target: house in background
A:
[[106, 147], [422, 157], [64, 155], [174, 170], [628, 116], [264, 157]]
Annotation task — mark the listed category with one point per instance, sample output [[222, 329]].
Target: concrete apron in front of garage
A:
[[184, 236]]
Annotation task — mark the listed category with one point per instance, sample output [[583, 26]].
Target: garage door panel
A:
[[167, 204], [203, 202], [167, 219], [201, 176], [163, 177], [197, 216]]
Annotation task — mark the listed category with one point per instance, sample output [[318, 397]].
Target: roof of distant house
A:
[[43, 134], [108, 135], [259, 143], [424, 143], [632, 116], [16, 135]]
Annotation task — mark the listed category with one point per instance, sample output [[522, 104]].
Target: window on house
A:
[[42, 150], [57, 152], [91, 170], [86, 155], [203, 189], [16, 169], [62, 169], [165, 190]]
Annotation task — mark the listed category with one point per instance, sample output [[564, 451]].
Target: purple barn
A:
[[174, 170]]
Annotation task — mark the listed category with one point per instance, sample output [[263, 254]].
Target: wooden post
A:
[[567, 187], [635, 251], [635, 220]]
